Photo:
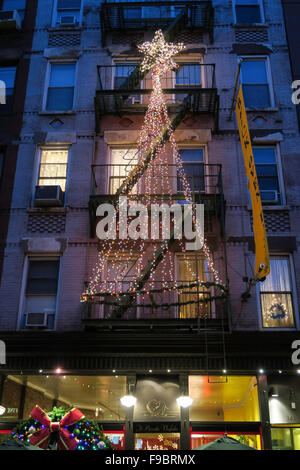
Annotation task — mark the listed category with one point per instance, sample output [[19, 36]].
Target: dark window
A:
[[248, 11], [256, 87], [192, 160], [60, 95], [267, 174], [19, 5], [42, 277]]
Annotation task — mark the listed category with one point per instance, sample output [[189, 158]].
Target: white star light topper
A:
[[159, 54]]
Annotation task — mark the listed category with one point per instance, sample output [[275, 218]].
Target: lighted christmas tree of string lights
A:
[[154, 155]]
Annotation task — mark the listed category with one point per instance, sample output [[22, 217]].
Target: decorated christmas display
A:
[[153, 262], [61, 429]]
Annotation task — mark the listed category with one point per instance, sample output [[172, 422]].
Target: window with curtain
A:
[[267, 174], [276, 296], [60, 95], [255, 82], [122, 162], [248, 11], [53, 168], [192, 268], [193, 165]]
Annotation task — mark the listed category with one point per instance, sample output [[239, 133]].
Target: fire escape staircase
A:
[[213, 339]]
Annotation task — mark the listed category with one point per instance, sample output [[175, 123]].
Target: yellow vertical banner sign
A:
[[262, 260]]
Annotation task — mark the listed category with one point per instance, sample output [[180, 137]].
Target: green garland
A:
[[87, 432]]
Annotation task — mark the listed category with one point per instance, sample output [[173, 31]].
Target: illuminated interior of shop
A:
[[286, 437], [98, 397], [200, 439], [157, 441], [231, 398]]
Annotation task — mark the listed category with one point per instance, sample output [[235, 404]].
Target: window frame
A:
[[47, 82], [24, 280], [8, 107], [262, 14], [204, 149], [276, 147], [54, 17], [22, 15], [36, 172], [289, 258], [266, 60]]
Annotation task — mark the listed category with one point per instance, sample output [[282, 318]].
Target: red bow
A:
[[41, 438]]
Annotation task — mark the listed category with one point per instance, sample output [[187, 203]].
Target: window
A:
[[152, 12], [190, 269], [41, 292], [193, 166], [122, 72], [60, 95], [8, 75], [67, 12], [53, 167], [122, 162], [2, 160], [276, 297], [267, 174], [188, 75], [19, 5], [248, 11], [285, 438], [255, 78]]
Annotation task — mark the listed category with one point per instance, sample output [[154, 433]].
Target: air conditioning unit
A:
[[269, 196], [33, 319], [10, 20], [48, 196], [68, 21]]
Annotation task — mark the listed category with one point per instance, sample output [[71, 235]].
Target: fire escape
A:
[[130, 97]]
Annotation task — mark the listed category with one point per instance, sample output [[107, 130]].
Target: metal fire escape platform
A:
[[151, 15]]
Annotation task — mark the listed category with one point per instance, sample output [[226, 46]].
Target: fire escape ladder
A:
[[152, 264], [140, 168], [136, 76]]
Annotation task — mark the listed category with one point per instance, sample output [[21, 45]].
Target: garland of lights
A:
[[153, 166]]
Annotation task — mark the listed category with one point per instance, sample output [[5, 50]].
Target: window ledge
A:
[[262, 110], [50, 113], [43, 210], [58, 29], [272, 208], [250, 25]]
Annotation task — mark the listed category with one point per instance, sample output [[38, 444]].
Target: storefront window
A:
[[157, 441], [285, 438], [98, 397], [251, 440], [117, 439], [229, 398]]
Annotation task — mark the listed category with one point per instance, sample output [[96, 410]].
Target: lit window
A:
[[19, 5], [8, 75], [53, 168], [41, 292], [60, 96], [193, 166], [191, 269], [276, 296], [68, 12], [248, 11], [255, 81], [123, 161], [267, 173]]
